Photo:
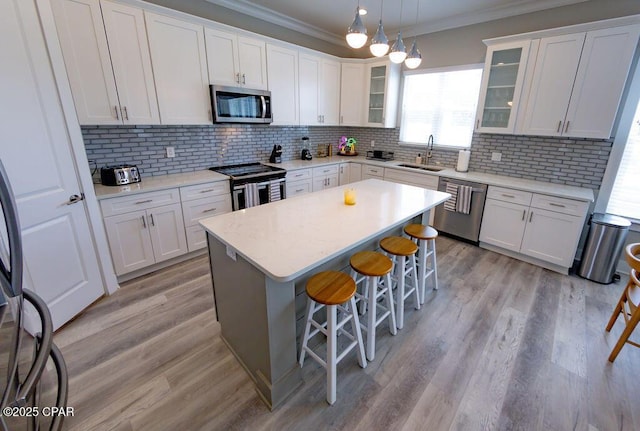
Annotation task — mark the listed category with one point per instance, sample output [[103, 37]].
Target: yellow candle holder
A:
[[349, 196]]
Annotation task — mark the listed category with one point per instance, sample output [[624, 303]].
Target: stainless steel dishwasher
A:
[[464, 226]]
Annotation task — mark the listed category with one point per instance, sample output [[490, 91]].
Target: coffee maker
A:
[[276, 154], [306, 152]]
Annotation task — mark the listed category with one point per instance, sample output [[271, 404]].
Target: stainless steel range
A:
[[254, 184]]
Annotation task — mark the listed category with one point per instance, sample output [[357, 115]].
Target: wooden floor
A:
[[503, 345]]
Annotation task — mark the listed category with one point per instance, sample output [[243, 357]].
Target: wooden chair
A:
[[629, 302]]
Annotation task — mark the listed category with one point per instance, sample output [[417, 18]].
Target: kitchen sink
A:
[[424, 168]]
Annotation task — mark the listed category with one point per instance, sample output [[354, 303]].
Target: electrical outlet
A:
[[496, 157], [170, 151], [373, 143]]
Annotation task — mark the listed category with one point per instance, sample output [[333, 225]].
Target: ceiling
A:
[[329, 19]]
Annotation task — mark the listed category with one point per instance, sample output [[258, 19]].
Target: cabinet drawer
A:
[[196, 237], [296, 188], [300, 174], [560, 205], [411, 178], [509, 195], [206, 207], [140, 201], [325, 170], [373, 170], [204, 190]]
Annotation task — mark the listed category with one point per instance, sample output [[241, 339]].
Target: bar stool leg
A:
[[392, 312], [416, 283], [307, 329], [371, 317], [422, 268], [399, 270], [331, 353], [355, 326]]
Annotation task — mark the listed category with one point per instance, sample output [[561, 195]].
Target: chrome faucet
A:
[[429, 150]]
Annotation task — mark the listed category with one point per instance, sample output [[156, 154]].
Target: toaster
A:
[[119, 175]]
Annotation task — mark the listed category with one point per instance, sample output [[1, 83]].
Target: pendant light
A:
[[357, 32], [414, 58], [379, 42], [398, 51]]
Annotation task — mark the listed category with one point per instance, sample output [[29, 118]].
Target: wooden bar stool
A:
[[373, 267], [425, 236], [401, 249], [330, 289], [629, 303]]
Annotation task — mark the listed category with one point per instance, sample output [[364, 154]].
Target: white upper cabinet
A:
[[127, 37], [319, 90], [501, 87], [180, 69], [86, 57], [578, 81], [282, 70], [236, 60], [383, 88], [352, 98]]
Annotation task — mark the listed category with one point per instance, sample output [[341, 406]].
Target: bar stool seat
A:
[[372, 267], [330, 289], [425, 237], [401, 249]]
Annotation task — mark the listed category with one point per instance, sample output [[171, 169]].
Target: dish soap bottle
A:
[[419, 159]]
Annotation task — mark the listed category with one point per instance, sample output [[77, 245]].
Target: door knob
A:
[[74, 199]]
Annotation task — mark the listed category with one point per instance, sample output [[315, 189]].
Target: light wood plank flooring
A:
[[503, 345]]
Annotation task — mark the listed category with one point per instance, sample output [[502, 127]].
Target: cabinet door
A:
[[180, 69], [309, 74], [501, 87], [332, 181], [352, 94], [503, 224], [282, 69], [222, 57], [86, 57], [167, 232], [129, 241], [319, 183], [553, 78], [344, 173], [355, 172], [377, 80], [604, 66], [253, 63], [551, 236], [298, 188], [330, 93], [127, 37]]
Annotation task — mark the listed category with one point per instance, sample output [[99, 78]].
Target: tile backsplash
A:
[[576, 162]]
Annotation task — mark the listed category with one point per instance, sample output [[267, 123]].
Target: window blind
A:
[[625, 196]]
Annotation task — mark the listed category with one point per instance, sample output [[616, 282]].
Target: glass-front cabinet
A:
[[502, 87], [382, 91]]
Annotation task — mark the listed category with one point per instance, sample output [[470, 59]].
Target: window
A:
[[625, 199], [442, 103]]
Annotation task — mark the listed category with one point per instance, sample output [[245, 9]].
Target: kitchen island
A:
[[262, 257]]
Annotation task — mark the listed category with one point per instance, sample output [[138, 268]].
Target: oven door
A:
[[240, 105], [258, 193]]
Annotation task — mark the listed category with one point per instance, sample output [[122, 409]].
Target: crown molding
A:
[[273, 17]]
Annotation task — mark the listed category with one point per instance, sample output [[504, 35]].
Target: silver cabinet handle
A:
[[559, 126], [508, 196], [341, 119], [74, 199], [299, 190], [209, 210], [477, 123], [126, 114], [553, 204], [530, 216], [566, 126], [144, 222], [244, 81], [238, 77], [298, 175], [115, 108], [153, 223], [144, 202], [524, 213], [319, 120], [207, 191]]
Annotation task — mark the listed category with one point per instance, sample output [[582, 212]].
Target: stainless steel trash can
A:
[[603, 247]]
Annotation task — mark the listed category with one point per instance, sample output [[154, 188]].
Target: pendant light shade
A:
[[414, 58], [379, 42], [357, 32], [398, 51]]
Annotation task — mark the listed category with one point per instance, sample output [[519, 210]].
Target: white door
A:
[[59, 256], [503, 224], [127, 38], [553, 78], [551, 236], [253, 63], [282, 69], [330, 93], [309, 75], [180, 69], [352, 94], [86, 57], [167, 231], [129, 241], [222, 57]]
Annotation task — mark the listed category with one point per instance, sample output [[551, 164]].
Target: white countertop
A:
[[288, 238], [160, 182]]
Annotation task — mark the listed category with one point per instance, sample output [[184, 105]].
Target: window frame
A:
[[457, 68]]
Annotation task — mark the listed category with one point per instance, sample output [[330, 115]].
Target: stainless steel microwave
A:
[[240, 105]]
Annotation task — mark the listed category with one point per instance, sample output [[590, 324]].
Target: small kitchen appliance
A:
[[119, 175], [306, 152], [276, 154]]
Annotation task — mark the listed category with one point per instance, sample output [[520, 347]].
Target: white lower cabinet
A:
[[202, 201], [344, 176], [355, 172], [411, 178], [544, 227], [325, 177], [369, 171], [298, 182]]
